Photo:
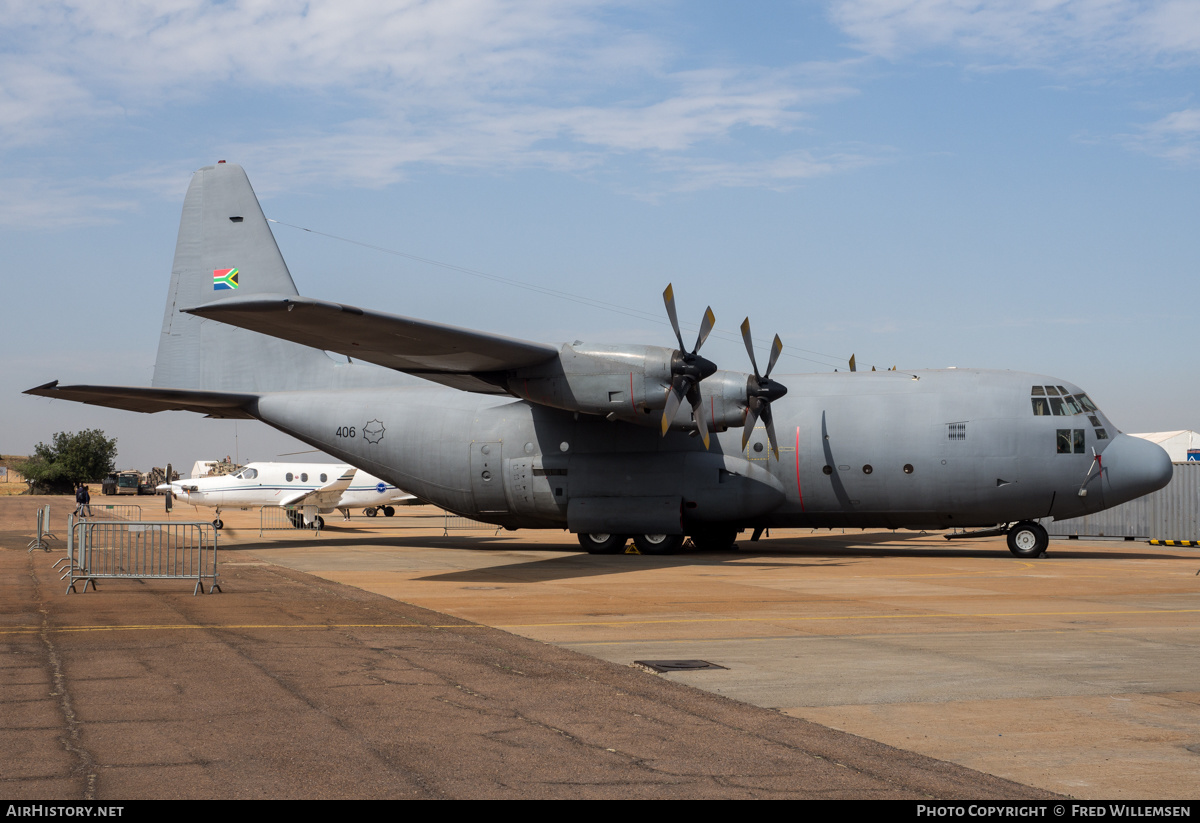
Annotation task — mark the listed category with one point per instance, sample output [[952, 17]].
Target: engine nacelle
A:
[[628, 383], [618, 382]]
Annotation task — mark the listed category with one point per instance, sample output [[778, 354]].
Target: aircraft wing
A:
[[150, 400], [326, 497], [458, 357]]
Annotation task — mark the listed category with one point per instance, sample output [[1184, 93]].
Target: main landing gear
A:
[[710, 540]]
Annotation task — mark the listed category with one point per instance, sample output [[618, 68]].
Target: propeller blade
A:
[[706, 326], [697, 401], [167, 499], [749, 341], [669, 299], [674, 398], [769, 421], [852, 366], [776, 349], [752, 409], [701, 426]]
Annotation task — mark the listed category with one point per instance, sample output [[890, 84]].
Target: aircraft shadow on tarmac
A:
[[819, 550]]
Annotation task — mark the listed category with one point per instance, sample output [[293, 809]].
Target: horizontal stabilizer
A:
[[326, 497], [150, 400], [417, 347]]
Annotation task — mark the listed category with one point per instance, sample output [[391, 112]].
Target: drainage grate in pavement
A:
[[677, 665]]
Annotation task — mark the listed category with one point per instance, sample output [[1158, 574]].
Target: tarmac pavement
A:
[[380, 658]]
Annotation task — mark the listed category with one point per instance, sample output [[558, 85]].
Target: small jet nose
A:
[[1134, 467]]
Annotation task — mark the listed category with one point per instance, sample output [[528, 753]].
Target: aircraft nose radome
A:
[[1135, 467]]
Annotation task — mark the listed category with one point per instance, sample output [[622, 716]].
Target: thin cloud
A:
[[1058, 34], [364, 92], [1175, 137]]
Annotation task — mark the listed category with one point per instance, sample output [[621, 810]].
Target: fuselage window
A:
[[288, 477], [323, 478], [304, 477]]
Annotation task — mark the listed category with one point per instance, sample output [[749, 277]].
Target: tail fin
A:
[[226, 249]]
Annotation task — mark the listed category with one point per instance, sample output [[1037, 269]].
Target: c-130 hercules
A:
[[594, 438]]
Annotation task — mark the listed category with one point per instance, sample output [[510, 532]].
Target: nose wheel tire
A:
[[602, 543], [658, 543], [218, 524], [715, 540], [369, 512], [1028, 539]]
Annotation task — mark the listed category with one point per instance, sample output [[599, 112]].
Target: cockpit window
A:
[[247, 474], [1057, 401]]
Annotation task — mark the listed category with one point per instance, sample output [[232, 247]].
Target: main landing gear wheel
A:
[[369, 512], [658, 543], [715, 540], [318, 522], [602, 543], [388, 511], [1028, 539]]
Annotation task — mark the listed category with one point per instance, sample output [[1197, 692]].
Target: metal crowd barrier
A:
[[276, 518], [145, 550], [455, 522], [43, 530], [115, 511]]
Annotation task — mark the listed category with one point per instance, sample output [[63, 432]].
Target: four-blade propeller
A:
[[687, 370], [761, 391]]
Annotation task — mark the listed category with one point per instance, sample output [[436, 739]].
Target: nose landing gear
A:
[[1028, 539]]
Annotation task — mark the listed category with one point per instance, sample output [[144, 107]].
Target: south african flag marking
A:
[[225, 279]]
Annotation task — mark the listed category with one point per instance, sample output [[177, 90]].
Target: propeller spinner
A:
[[687, 370], [761, 391]]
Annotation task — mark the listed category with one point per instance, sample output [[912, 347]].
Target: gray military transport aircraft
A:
[[596, 438]]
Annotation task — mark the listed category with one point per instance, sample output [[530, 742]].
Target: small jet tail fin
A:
[[226, 249]]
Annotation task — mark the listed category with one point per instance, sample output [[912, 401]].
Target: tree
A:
[[70, 459]]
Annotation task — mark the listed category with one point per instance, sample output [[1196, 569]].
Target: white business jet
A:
[[307, 489]]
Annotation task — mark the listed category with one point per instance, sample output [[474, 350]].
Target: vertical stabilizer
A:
[[226, 249]]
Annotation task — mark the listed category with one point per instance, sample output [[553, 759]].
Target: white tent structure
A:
[[1177, 443]]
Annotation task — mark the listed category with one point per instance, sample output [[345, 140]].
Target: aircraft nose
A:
[[1134, 467]]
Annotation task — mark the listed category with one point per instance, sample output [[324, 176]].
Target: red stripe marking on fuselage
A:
[[799, 491]]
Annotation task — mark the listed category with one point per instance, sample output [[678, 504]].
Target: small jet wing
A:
[[326, 497], [150, 400], [458, 357]]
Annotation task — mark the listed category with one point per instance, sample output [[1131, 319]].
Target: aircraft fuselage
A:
[[928, 449]]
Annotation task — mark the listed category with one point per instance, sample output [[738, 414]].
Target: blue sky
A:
[[925, 183]]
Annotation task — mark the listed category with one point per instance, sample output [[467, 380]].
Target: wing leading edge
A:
[[453, 356]]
